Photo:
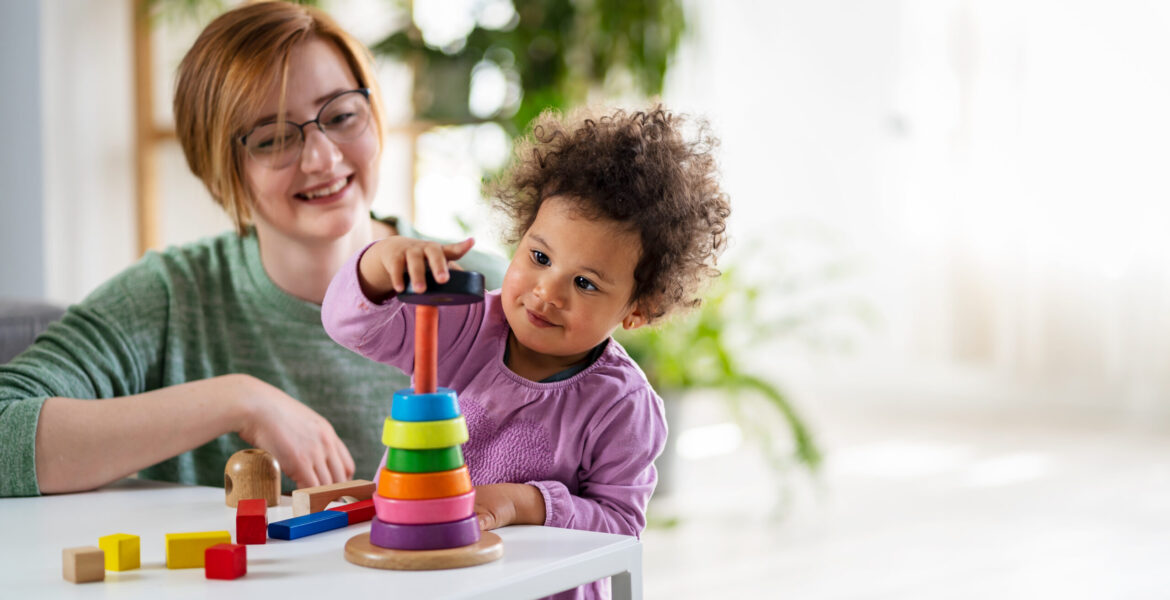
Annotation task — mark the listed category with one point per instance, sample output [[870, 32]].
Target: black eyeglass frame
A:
[[365, 92]]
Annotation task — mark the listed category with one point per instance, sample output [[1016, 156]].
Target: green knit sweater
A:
[[189, 313]]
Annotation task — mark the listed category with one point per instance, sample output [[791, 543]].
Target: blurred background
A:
[[936, 365]]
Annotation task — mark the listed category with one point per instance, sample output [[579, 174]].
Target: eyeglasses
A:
[[278, 144]]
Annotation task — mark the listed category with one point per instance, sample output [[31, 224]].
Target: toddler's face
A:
[[569, 284]]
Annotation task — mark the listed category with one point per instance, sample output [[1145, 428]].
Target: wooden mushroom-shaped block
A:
[[251, 473]]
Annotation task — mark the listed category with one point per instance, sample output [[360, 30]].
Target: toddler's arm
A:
[[359, 312], [617, 474]]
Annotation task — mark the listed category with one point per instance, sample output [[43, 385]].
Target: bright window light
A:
[[1008, 470], [899, 460], [489, 89], [709, 440], [443, 23]]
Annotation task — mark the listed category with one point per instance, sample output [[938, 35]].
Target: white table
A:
[[537, 560]]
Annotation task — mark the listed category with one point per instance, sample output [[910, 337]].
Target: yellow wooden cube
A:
[[185, 550], [122, 551]]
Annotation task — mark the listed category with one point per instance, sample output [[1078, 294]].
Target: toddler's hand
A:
[[302, 441], [383, 267], [502, 504]]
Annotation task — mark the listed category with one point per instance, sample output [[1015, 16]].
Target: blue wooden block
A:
[[299, 527]]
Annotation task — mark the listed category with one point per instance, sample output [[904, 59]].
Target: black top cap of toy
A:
[[462, 287]]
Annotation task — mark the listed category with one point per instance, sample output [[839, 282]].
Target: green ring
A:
[[424, 461]]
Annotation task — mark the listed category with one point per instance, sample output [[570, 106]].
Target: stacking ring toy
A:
[[421, 512], [424, 435], [422, 486], [463, 532], [423, 461], [410, 406]]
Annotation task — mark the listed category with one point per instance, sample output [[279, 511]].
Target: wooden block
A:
[[422, 486], [357, 512], [225, 561], [423, 435], [83, 564], [122, 551], [252, 521], [304, 525], [251, 473], [315, 499], [185, 550]]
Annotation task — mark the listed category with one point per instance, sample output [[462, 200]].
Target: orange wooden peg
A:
[[426, 346]]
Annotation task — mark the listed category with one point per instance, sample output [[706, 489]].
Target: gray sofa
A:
[[20, 323]]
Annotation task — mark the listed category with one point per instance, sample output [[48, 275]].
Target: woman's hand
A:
[[382, 269], [501, 504], [304, 443]]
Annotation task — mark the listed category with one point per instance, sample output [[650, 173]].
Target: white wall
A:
[[89, 161], [22, 258], [996, 169]]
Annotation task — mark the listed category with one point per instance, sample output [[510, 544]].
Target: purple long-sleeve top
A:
[[587, 442]]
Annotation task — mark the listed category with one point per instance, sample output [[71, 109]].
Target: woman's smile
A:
[[325, 194]]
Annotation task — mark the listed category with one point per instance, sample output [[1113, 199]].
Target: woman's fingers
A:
[[304, 442], [304, 475], [336, 466], [346, 460]]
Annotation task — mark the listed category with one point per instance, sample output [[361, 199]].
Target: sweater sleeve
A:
[[90, 353], [381, 332], [617, 474], [385, 332]]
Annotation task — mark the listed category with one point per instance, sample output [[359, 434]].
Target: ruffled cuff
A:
[[556, 498]]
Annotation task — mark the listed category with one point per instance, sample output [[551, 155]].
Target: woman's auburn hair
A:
[[225, 78]]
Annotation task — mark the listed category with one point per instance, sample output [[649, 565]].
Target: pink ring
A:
[[422, 512]]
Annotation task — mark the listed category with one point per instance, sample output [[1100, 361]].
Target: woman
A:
[[202, 350]]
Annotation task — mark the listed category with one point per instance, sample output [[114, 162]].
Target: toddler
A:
[[618, 220]]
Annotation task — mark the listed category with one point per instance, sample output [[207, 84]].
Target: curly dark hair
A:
[[636, 168]]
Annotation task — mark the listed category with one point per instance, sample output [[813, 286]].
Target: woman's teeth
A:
[[333, 189]]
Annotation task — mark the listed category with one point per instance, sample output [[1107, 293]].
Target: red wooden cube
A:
[[225, 561], [252, 521]]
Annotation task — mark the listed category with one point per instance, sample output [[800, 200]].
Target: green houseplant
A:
[[702, 352], [556, 51]]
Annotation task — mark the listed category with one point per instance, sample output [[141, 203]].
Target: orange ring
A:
[[422, 486]]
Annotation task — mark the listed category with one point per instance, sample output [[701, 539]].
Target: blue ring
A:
[[439, 406]]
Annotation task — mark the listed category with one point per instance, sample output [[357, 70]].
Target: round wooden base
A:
[[359, 551]]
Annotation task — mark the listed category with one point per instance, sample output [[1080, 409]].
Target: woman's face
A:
[[330, 186]]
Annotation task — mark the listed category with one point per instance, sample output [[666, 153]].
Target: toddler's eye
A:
[[540, 257], [584, 284]]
